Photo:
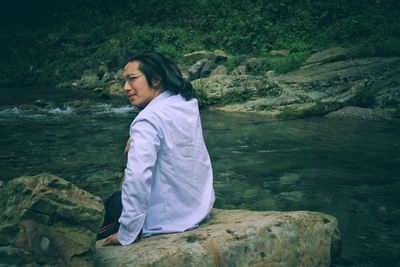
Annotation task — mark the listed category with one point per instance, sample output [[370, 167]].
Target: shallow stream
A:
[[346, 168]]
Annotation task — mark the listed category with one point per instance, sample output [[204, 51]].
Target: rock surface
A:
[[318, 88], [236, 238], [216, 56], [45, 220], [362, 113]]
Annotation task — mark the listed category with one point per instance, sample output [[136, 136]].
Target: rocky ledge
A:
[[236, 238], [329, 81], [47, 221]]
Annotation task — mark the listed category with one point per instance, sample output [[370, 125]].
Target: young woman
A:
[[168, 185]]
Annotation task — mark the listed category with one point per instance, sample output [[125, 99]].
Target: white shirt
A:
[[168, 184]]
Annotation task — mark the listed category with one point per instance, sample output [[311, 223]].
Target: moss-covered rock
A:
[[47, 220]]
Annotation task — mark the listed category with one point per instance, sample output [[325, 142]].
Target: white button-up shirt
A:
[[168, 184]]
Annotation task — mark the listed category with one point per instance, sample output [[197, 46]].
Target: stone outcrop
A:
[[216, 56], [205, 62], [45, 220], [327, 56], [236, 238], [321, 86], [227, 89]]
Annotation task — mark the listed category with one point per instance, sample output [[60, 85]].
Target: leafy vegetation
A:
[[55, 41]]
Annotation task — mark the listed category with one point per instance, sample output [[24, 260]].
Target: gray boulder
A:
[[205, 62], [45, 220], [236, 238], [323, 86], [201, 68]]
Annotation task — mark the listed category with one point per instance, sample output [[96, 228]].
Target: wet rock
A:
[[236, 238], [45, 220]]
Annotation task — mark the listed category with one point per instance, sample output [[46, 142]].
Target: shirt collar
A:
[[159, 98]]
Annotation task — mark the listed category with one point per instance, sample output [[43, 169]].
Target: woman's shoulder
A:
[[168, 107]]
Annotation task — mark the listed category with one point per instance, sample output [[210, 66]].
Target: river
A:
[[346, 168]]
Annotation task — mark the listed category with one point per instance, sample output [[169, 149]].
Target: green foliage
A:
[[82, 34], [377, 46], [285, 64]]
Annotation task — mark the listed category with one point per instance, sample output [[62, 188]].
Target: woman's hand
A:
[[128, 145], [111, 240]]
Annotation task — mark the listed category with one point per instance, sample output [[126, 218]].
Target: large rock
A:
[[227, 89], [318, 89], [201, 68], [45, 220], [237, 238]]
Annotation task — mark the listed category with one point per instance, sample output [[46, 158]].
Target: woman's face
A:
[[136, 87]]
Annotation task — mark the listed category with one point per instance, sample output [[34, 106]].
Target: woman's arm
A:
[[142, 157]]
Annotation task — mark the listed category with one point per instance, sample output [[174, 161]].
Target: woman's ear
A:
[[156, 83]]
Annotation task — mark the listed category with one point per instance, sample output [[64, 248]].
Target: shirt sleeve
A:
[[136, 187]]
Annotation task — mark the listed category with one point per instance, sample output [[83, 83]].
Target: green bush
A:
[[83, 34]]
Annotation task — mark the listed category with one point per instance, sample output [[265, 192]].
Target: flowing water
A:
[[349, 169]]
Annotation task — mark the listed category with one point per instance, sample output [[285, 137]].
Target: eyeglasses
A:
[[129, 79]]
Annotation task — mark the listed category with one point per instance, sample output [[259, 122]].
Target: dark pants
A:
[[113, 207]]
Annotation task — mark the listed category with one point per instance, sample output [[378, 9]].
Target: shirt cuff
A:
[[126, 237]]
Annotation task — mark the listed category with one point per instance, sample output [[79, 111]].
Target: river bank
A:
[[329, 82]]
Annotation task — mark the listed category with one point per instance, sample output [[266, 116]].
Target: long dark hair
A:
[[157, 67]]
